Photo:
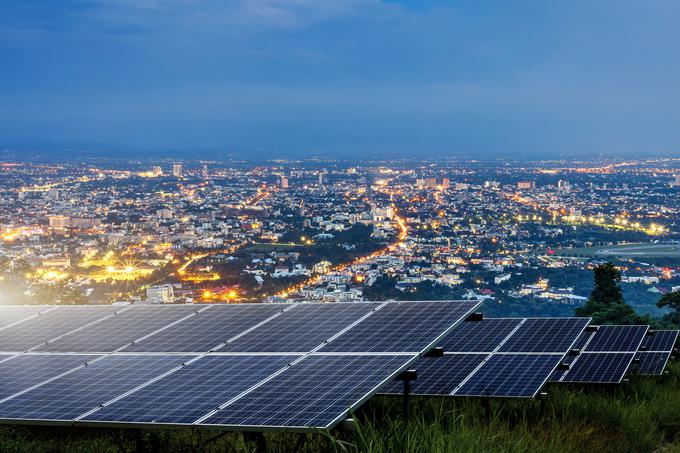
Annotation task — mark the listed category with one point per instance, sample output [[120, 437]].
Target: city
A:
[[521, 237]]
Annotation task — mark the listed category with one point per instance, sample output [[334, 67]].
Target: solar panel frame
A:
[[377, 331], [200, 380], [479, 336], [548, 335], [24, 371], [616, 338], [431, 338], [195, 334], [301, 328], [120, 330], [16, 314], [659, 341], [509, 368], [652, 363], [69, 395], [51, 324], [284, 382], [599, 365]]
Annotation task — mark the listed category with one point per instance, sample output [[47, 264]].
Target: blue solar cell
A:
[[24, 371], [69, 396], [439, 375], [50, 324], [316, 392], [660, 340], [402, 327], [510, 375], [599, 367], [652, 363], [117, 331], [207, 329], [193, 391], [545, 335], [479, 336], [617, 338], [301, 329], [15, 313]]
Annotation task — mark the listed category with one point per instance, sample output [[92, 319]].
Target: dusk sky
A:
[[476, 77]]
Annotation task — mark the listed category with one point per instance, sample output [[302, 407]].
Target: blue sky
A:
[[342, 76]]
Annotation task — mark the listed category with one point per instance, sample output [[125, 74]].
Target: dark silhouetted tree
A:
[[672, 302], [606, 304]]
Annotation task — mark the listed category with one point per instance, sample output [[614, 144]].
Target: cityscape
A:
[[521, 237]]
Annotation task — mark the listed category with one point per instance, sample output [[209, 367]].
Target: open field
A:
[[625, 251], [643, 416]]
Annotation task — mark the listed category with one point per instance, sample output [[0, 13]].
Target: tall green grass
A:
[[642, 416]]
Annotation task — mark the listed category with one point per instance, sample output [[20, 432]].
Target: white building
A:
[[161, 294]]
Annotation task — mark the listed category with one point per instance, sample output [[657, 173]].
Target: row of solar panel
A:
[[365, 327], [243, 386], [244, 390], [517, 357]]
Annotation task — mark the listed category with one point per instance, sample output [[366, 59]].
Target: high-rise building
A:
[[676, 181], [284, 182], [430, 182], [445, 183], [563, 185], [204, 172], [177, 170], [157, 170], [321, 178]]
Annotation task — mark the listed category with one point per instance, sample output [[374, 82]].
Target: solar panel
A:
[[616, 338], [510, 375], [119, 330], [207, 329], [545, 335], [652, 363], [439, 375], [317, 392], [659, 340], [16, 313], [597, 368], [73, 394], [402, 327], [50, 324], [301, 329], [479, 336], [194, 390], [24, 371]]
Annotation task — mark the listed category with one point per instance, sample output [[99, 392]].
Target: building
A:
[[676, 181], [177, 170], [157, 171], [59, 222], [445, 183], [284, 182], [204, 172], [53, 194], [526, 185], [161, 294], [321, 178]]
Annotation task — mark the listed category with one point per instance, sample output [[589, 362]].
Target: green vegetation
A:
[[606, 304], [671, 301], [642, 416]]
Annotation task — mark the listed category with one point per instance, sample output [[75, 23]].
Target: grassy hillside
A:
[[641, 416]]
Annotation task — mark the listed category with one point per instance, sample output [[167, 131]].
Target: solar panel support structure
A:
[[435, 352], [258, 439], [475, 317], [407, 376]]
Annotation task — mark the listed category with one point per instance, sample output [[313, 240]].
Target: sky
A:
[[341, 77]]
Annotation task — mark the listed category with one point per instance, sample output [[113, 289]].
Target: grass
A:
[[642, 416]]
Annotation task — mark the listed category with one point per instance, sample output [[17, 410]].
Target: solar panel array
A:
[[244, 367], [511, 357], [606, 354], [656, 349]]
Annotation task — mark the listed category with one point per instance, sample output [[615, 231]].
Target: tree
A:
[[671, 301], [606, 304]]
